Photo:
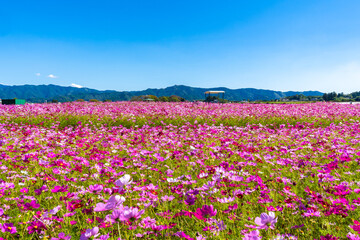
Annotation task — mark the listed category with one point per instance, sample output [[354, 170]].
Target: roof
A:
[[210, 92]]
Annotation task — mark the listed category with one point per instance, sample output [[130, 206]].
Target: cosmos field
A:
[[180, 171]]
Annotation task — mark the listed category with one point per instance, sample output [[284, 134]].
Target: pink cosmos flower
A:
[[169, 172], [131, 214], [200, 237], [285, 237], [24, 190], [52, 211], [61, 236], [147, 222], [220, 226], [8, 227], [123, 181], [231, 208], [238, 193], [31, 205], [167, 198], [103, 237], [124, 214], [352, 236], [114, 216], [94, 232], [253, 235], [328, 237], [276, 209], [113, 202], [63, 188], [312, 213], [226, 199], [266, 220], [95, 188], [190, 199], [297, 226], [183, 235], [41, 189]]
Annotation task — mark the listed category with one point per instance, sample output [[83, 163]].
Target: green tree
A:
[[212, 99], [174, 98], [163, 99], [137, 99]]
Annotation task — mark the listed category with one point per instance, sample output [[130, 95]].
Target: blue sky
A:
[[134, 45]]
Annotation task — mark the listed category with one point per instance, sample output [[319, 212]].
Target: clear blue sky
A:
[[134, 45]]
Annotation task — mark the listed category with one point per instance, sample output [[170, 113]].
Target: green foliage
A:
[[137, 99], [64, 120], [174, 98], [154, 98], [341, 97], [329, 96], [212, 99], [164, 99]]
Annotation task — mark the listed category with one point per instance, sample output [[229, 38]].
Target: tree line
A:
[[332, 96], [341, 97], [144, 98]]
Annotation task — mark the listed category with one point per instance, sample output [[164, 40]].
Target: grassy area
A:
[[65, 120]]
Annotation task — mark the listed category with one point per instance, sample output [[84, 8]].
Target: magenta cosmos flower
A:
[[253, 235], [36, 226], [266, 220], [205, 212], [356, 226], [8, 227]]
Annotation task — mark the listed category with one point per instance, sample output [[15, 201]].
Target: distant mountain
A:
[[192, 93], [40, 93]]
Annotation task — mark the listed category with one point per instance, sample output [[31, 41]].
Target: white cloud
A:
[[76, 85], [52, 76], [37, 74]]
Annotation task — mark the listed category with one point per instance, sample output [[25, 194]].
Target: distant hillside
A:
[[40, 93], [192, 93]]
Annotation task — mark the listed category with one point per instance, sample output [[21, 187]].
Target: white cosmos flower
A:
[[124, 180], [171, 180]]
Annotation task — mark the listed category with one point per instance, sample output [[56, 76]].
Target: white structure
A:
[[208, 93]]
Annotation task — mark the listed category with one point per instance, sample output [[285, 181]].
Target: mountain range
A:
[[41, 93]]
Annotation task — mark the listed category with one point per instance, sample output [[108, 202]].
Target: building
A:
[[14, 101], [214, 96]]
